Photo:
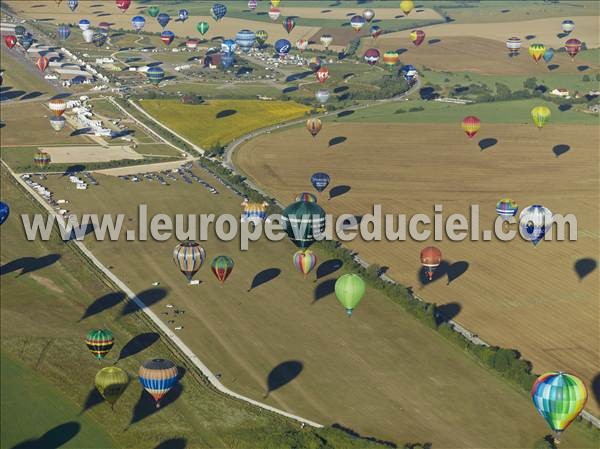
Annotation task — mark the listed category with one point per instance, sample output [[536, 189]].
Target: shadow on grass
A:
[[283, 374]]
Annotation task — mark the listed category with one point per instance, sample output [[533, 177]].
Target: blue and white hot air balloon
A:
[[227, 59], [218, 11], [73, 4], [84, 24], [64, 31], [183, 15], [4, 212], [534, 222], [409, 73], [282, 47], [245, 40], [228, 46], [138, 23], [163, 19]]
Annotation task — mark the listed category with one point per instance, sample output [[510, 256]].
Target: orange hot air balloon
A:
[[573, 46], [431, 258], [322, 74], [417, 37], [42, 63], [313, 125], [57, 106], [471, 125]]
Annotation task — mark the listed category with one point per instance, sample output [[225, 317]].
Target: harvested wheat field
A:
[[68, 154], [512, 294], [339, 13]]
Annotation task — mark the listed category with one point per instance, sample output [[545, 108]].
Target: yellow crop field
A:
[[221, 121]]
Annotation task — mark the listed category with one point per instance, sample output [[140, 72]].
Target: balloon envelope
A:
[[245, 39], [431, 258], [567, 25], [189, 257], [536, 51], [138, 23], [513, 44], [41, 159], [314, 125], [322, 96], [73, 4], [326, 40], [368, 14], [417, 37], [158, 376], [153, 11], [221, 266], [322, 74], [58, 106], [540, 116], [507, 208], [42, 63], [4, 212], [63, 32], [274, 14], [534, 222], [289, 24], [99, 342], [573, 46], [375, 31], [218, 11], [261, 37], [349, 290], [357, 22], [548, 55], [202, 27], [58, 123], [282, 47], [306, 196], [155, 75], [302, 221], [123, 5], [163, 19], [183, 14], [111, 382], [320, 181], [88, 35], [406, 6], [10, 40], [471, 125], [84, 24], [167, 37], [372, 56], [304, 261]]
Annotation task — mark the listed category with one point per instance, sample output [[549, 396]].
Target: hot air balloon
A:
[[315, 63], [471, 125], [534, 222], [41, 160], [202, 27], [123, 5], [368, 14], [252, 4], [431, 258], [158, 376], [63, 31], [254, 212], [261, 37], [406, 6], [42, 63], [274, 14], [111, 382], [57, 106], [99, 39], [275, 3], [507, 208], [559, 398], [183, 15], [282, 47], [228, 46], [303, 221], [391, 58], [84, 24], [305, 196], [153, 11], [372, 56], [4, 212], [167, 37], [221, 267], [540, 115], [163, 19], [155, 75], [536, 51], [417, 37], [192, 44], [322, 74], [10, 40], [20, 31], [289, 24], [189, 257], [313, 125], [301, 44], [375, 31], [99, 342], [245, 39], [218, 11], [25, 41], [357, 22], [513, 44], [409, 73], [320, 181], [73, 4], [304, 261], [326, 40], [88, 36], [138, 23], [349, 290], [57, 123], [227, 59], [548, 55], [322, 96], [573, 46], [567, 26]]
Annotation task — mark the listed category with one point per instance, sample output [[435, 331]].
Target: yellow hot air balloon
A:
[[275, 3], [536, 51], [406, 6], [313, 125], [111, 382], [540, 115]]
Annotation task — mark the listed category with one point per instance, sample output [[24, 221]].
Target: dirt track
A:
[[68, 154]]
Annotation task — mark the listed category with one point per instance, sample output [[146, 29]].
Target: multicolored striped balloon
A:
[[99, 342], [471, 125], [304, 261], [305, 196], [158, 376], [254, 212], [507, 208], [559, 398], [221, 267], [189, 257], [41, 160], [536, 51]]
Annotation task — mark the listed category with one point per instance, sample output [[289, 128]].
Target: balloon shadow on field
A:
[[564, 107], [80, 131], [103, 303], [583, 68], [282, 375], [553, 67], [328, 267], [11, 94], [596, 388], [530, 36], [340, 89], [433, 41], [560, 149], [337, 140], [138, 344], [92, 399], [263, 277], [148, 297], [61, 96], [28, 264], [289, 89], [324, 289], [298, 76], [146, 406], [173, 443], [225, 113], [447, 312], [439, 273], [31, 95], [72, 169], [584, 267], [54, 438], [344, 114], [338, 191], [456, 270], [562, 35], [486, 143]]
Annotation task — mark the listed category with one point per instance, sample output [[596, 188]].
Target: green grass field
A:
[[221, 121], [20, 75]]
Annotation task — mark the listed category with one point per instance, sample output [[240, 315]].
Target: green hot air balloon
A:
[[111, 382], [202, 27], [99, 342], [221, 267], [153, 11], [302, 220], [349, 289], [261, 37]]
